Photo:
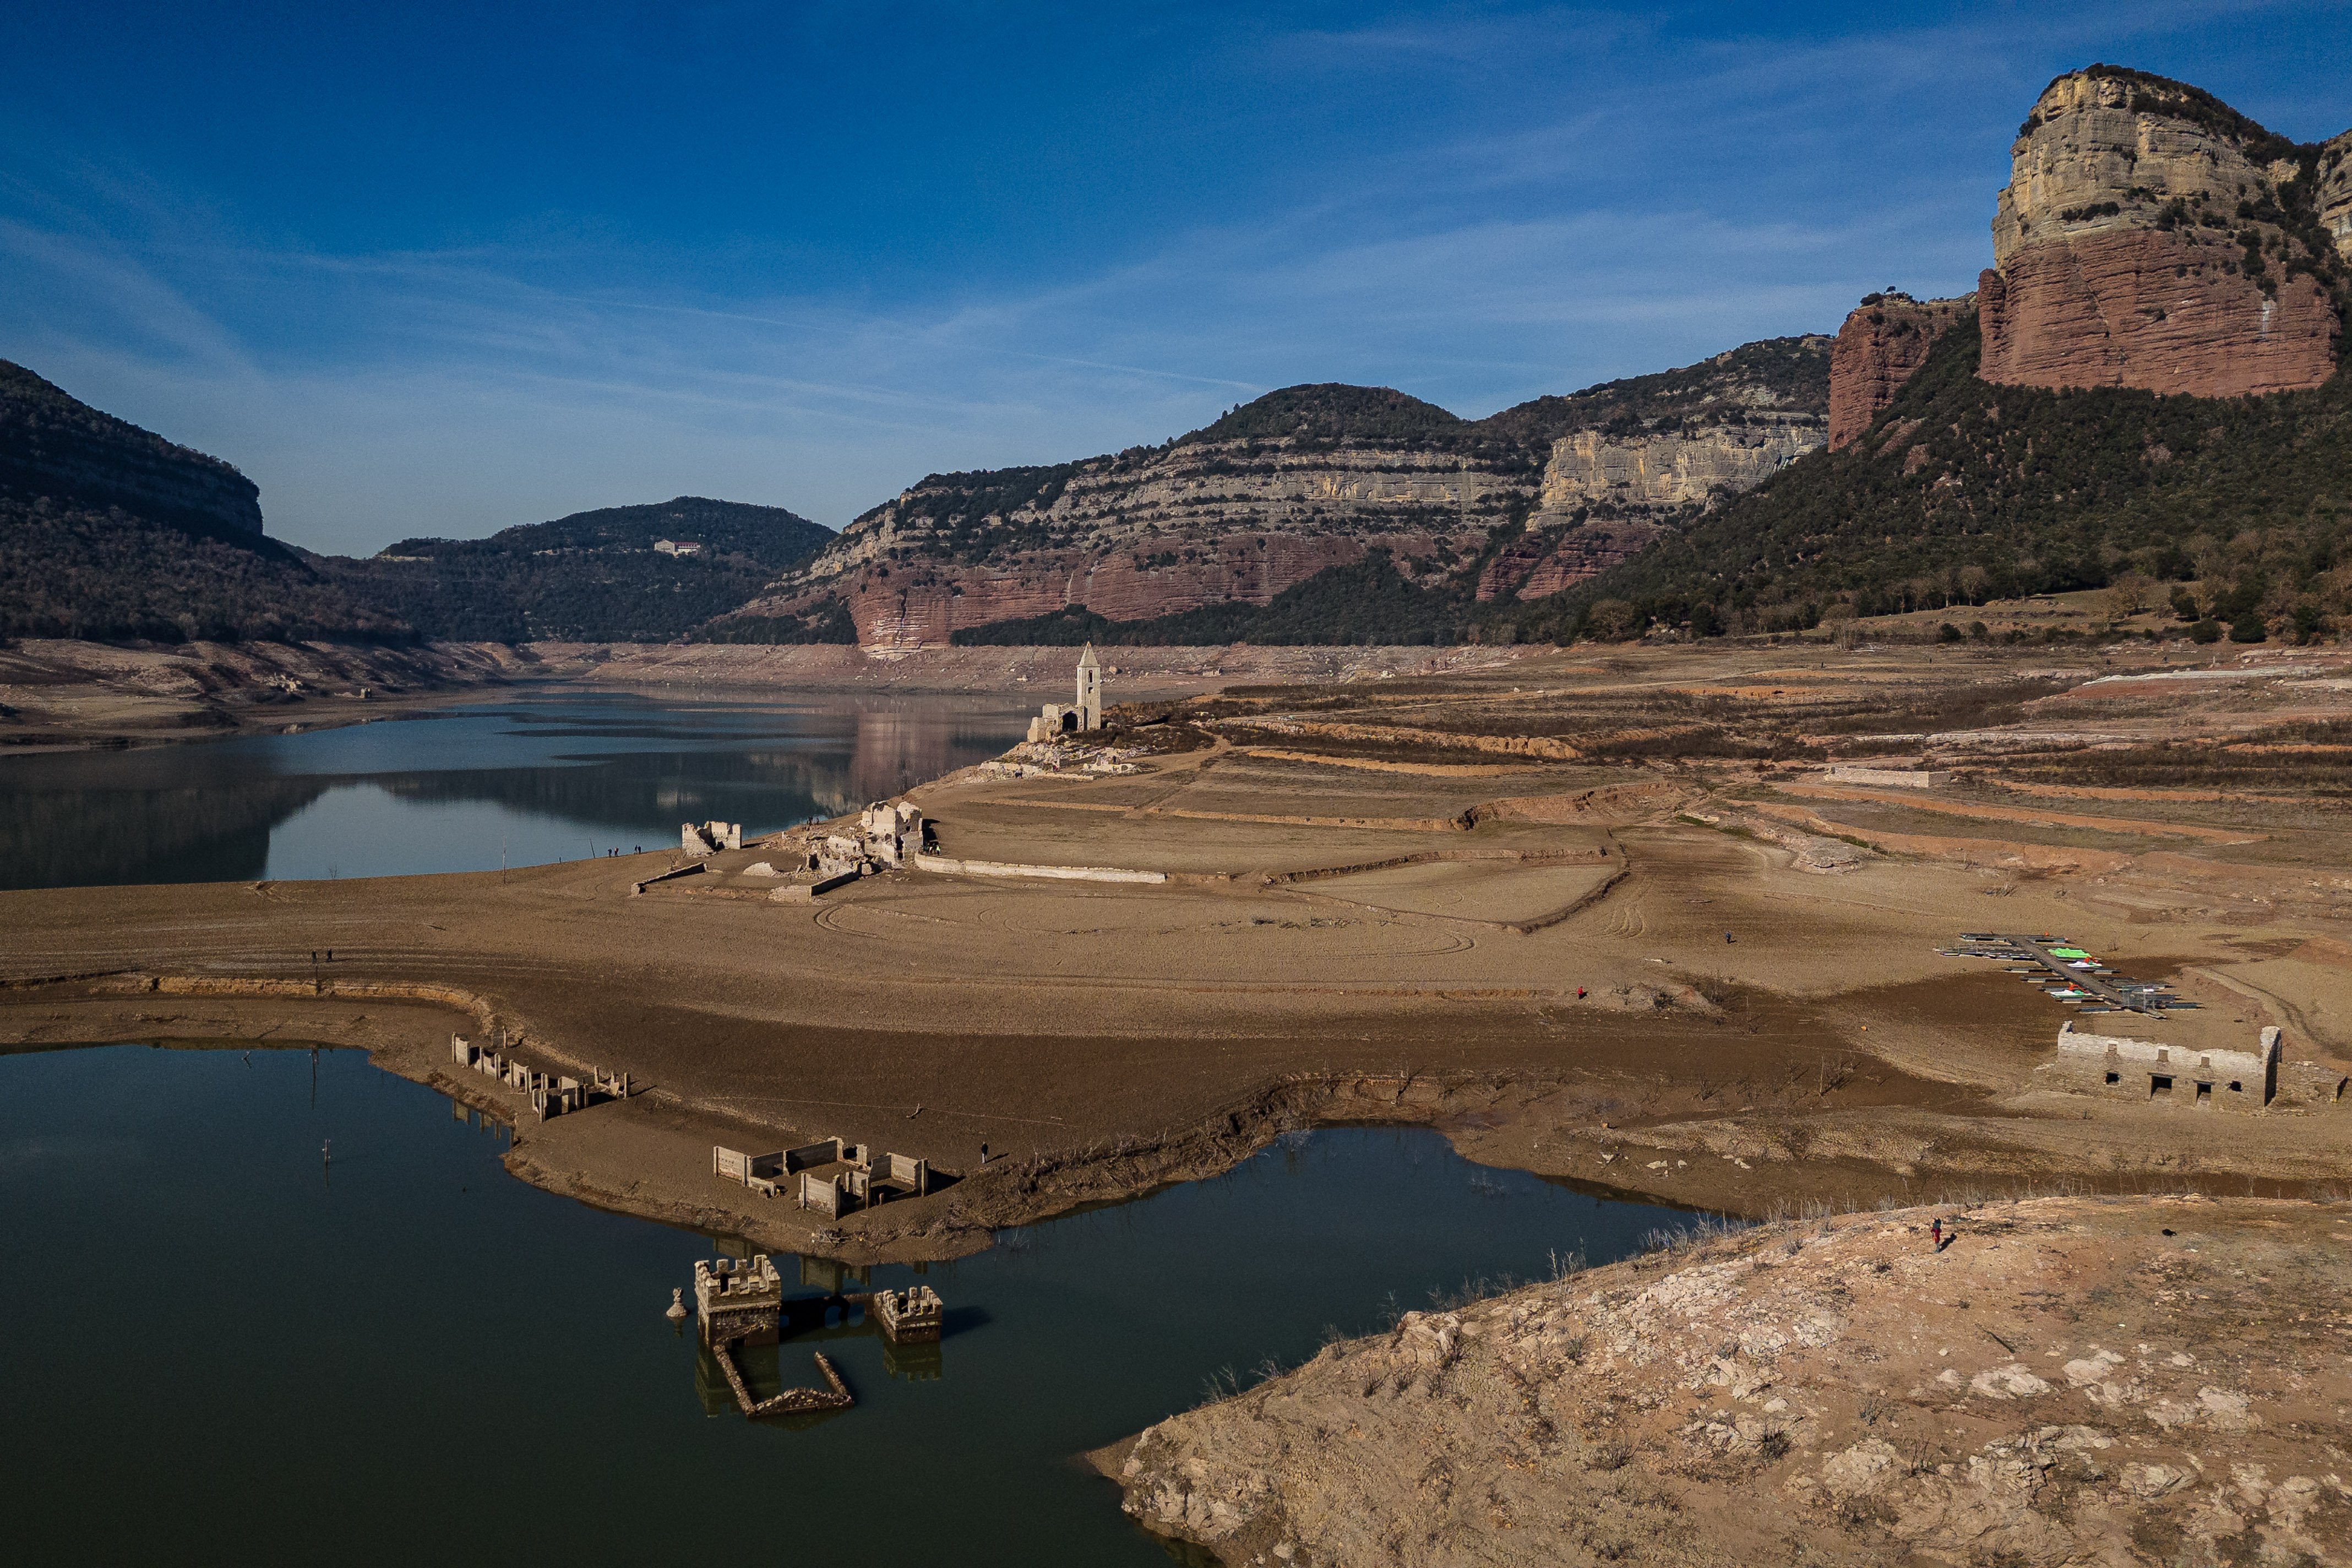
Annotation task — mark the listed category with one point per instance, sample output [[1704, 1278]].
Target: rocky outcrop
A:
[[2068, 1380], [57, 449], [2336, 192], [1881, 344], [2151, 237], [1526, 502]]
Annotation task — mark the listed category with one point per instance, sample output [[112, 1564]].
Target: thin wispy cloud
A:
[[1476, 203]]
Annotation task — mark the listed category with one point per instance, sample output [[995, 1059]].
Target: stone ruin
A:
[[1082, 715], [888, 836], [743, 1303], [2119, 1067], [860, 1181], [550, 1095], [738, 1301], [709, 838], [911, 1316]]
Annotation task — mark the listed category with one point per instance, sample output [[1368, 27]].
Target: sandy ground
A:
[[1604, 968], [2068, 1380]]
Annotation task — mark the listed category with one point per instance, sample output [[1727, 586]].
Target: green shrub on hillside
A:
[[1962, 492]]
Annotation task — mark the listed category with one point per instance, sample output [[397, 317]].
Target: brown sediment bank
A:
[[2064, 1380], [1565, 970]]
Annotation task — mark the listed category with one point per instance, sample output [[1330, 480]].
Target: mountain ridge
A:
[[1318, 478], [592, 575]]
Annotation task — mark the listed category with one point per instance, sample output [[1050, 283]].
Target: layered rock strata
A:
[[1881, 343], [2336, 192], [1528, 502], [2151, 237]]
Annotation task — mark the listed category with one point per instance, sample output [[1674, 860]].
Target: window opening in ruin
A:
[[2204, 1094], [2115, 1077], [2236, 1088], [2157, 1085]]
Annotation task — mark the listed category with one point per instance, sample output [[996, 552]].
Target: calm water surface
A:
[[527, 779], [219, 1347]]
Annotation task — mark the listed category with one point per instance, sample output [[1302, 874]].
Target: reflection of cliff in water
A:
[[206, 811], [762, 790], [897, 750], [197, 834]]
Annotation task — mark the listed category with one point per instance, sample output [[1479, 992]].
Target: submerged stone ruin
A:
[[740, 1301]]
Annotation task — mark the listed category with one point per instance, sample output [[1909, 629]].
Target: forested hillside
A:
[[110, 531], [593, 576], [1962, 492]]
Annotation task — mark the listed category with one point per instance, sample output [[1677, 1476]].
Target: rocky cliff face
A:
[[1881, 344], [2336, 194], [2151, 237], [52, 445], [1526, 502]]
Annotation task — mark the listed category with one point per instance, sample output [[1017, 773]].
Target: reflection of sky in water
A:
[[356, 831], [544, 778], [409, 1356]]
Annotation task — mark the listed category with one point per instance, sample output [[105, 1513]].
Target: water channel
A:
[[528, 778], [221, 1346]]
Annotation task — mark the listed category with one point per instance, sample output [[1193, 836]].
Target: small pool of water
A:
[[223, 1346], [530, 778]]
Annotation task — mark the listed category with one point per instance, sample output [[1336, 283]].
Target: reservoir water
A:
[[525, 779], [222, 1346]]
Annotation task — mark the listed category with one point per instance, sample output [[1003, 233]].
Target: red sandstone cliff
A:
[[1881, 343], [2151, 237], [1316, 477]]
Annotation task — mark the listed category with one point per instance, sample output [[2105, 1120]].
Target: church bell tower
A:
[[1089, 691]]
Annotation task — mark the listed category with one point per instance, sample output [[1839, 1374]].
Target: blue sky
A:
[[440, 270]]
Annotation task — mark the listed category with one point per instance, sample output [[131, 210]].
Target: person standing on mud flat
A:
[[1935, 1234]]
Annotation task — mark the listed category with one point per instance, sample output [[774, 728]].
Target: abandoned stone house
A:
[[2258, 1079], [710, 837], [1084, 715], [889, 835], [836, 1177], [893, 830]]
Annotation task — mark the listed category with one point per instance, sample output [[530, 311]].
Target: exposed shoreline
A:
[[1532, 962], [57, 695], [2065, 1376]]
